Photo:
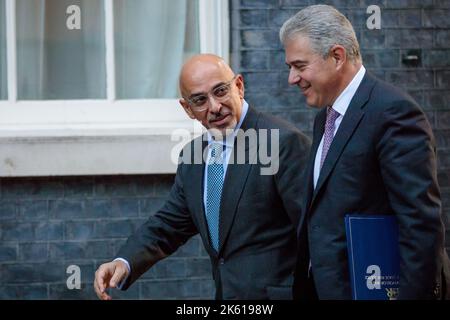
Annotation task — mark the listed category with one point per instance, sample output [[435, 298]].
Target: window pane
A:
[[152, 39], [55, 62], [3, 70]]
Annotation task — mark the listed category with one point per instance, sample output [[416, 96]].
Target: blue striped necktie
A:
[[214, 192]]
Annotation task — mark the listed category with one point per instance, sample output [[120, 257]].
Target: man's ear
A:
[[240, 85], [186, 108], [339, 55]]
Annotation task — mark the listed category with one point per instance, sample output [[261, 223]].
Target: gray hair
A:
[[324, 26]]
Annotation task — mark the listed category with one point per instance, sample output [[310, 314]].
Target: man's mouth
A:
[[305, 88], [221, 120]]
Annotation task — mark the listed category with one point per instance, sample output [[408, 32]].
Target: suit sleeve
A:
[[294, 152], [407, 159], [161, 234]]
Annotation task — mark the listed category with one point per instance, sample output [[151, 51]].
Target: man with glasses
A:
[[246, 217]]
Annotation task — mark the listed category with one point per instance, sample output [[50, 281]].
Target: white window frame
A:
[[96, 137]]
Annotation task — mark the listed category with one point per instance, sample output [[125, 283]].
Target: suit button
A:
[[221, 261]]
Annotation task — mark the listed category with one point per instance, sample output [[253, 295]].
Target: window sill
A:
[[93, 146], [152, 150]]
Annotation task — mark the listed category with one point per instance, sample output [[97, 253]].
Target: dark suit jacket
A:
[[382, 161], [258, 217]]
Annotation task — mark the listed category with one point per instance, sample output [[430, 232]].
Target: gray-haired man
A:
[[373, 152]]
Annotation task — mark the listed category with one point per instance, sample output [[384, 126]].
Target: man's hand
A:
[[109, 275]]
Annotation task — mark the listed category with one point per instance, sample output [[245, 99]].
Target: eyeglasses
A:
[[199, 102]]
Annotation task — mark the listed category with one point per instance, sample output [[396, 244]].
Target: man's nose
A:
[[294, 77], [214, 105]]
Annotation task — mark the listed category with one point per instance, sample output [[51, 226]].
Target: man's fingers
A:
[[100, 278], [119, 273], [100, 295], [105, 296], [109, 275]]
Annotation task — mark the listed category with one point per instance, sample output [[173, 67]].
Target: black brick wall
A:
[[47, 224]]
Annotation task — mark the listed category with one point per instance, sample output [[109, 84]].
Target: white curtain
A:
[[54, 62], [3, 70], [152, 39]]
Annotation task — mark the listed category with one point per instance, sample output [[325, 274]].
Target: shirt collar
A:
[[229, 141], [343, 101]]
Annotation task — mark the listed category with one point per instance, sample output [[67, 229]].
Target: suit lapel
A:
[[235, 179], [348, 125], [319, 126], [196, 183]]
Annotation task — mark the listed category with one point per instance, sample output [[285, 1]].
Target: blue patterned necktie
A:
[[214, 192]]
